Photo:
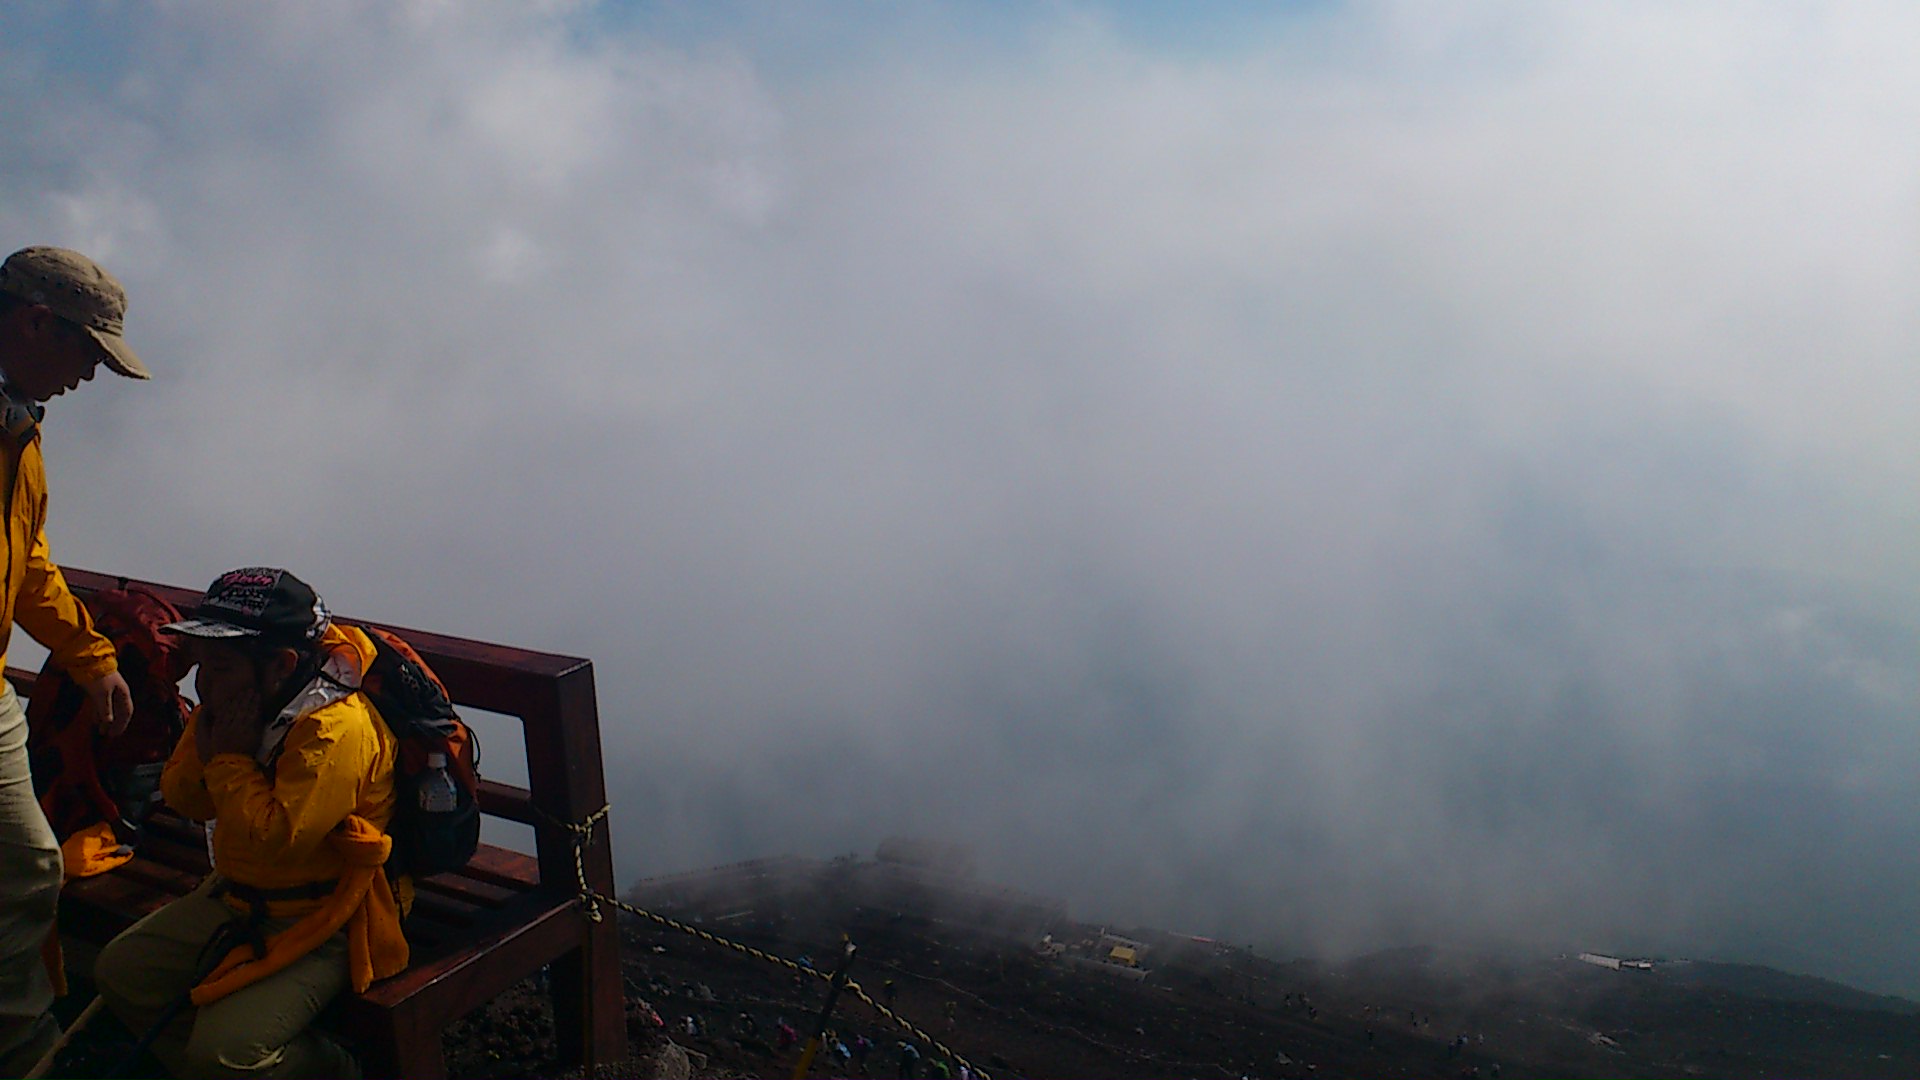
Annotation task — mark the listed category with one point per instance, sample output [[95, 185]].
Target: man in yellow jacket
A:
[[295, 769], [61, 317]]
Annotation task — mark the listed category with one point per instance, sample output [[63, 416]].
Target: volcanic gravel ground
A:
[[1015, 1013], [1214, 1013]]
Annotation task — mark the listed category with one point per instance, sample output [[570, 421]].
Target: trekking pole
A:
[[224, 937], [45, 1064], [805, 1064], [167, 1016]]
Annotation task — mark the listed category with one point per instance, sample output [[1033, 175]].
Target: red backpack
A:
[[82, 777]]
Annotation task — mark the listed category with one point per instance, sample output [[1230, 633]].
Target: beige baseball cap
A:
[[78, 290]]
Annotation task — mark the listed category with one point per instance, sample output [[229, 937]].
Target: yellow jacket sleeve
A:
[[48, 610], [182, 783], [316, 784]]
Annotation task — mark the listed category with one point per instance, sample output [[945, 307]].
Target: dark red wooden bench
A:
[[473, 933]]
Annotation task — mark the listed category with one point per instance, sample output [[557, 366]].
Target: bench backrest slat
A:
[[526, 685]]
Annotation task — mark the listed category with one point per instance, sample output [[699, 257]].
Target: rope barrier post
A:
[[591, 899], [826, 1010]]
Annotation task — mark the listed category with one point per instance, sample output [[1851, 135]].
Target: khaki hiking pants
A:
[[29, 896], [262, 1030]]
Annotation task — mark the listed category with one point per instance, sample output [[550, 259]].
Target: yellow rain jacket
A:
[[36, 593], [318, 813]]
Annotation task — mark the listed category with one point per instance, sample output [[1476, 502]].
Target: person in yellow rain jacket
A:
[[295, 769], [61, 316]]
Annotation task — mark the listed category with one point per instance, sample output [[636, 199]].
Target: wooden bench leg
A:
[[398, 1049], [420, 1059], [589, 999]]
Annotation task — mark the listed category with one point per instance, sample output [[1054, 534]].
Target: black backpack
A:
[[429, 836]]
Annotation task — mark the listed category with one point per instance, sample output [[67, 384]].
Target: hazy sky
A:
[[1331, 475]]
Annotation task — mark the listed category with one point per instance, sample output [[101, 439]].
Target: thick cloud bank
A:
[[1367, 478]]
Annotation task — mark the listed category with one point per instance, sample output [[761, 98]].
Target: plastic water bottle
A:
[[438, 795]]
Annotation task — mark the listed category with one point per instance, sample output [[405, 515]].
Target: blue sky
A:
[[822, 34]]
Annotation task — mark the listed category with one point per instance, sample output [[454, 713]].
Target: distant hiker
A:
[[862, 1046], [939, 1070], [952, 1009], [909, 1061], [60, 318], [1369, 1034], [889, 992], [784, 1036], [295, 770], [690, 1026]]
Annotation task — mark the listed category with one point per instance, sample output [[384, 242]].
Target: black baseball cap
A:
[[258, 602]]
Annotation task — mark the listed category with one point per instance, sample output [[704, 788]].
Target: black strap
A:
[[255, 895]]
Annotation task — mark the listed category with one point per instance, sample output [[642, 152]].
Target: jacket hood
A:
[[347, 653]]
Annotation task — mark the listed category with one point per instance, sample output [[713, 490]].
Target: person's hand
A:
[[229, 721], [112, 702]]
